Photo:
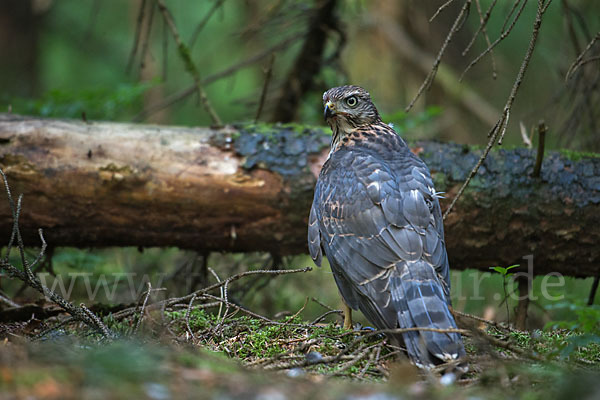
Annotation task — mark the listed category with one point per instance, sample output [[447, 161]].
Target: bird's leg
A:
[[347, 316]]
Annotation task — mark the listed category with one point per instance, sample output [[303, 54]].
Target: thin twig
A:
[[263, 94], [510, 13], [490, 47], [147, 36], [322, 316], [53, 328], [542, 128], [290, 319], [245, 310], [187, 318], [462, 15], [184, 53], [8, 301], [418, 329], [203, 22], [593, 289], [224, 296], [184, 93], [27, 275], [440, 9], [358, 358], [482, 23], [297, 349], [373, 357], [497, 132], [143, 309], [105, 332], [136, 38], [577, 63], [185, 299], [165, 51], [526, 139], [212, 271], [569, 21], [319, 302]]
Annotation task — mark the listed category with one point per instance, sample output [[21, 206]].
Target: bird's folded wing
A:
[[372, 222]]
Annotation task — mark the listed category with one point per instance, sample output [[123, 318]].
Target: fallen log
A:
[[249, 188]]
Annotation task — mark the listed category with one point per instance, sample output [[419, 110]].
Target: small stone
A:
[[448, 379], [314, 357], [295, 372]]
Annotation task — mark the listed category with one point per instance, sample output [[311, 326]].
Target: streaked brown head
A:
[[349, 107]]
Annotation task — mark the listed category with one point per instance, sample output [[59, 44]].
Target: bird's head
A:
[[349, 107]]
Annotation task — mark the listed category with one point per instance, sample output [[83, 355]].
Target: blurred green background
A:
[[74, 59]]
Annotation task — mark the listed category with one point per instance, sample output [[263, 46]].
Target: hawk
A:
[[377, 217]]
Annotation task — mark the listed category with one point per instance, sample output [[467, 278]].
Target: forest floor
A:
[[188, 352]]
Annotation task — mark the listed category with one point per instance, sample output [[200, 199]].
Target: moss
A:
[[17, 162], [562, 344], [577, 155], [439, 181], [184, 52], [198, 319], [300, 129], [111, 167]]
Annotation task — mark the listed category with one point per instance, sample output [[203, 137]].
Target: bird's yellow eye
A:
[[352, 101]]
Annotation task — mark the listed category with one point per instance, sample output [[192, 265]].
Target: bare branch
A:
[[542, 128], [8, 301], [79, 313], [165, 51], [446, 79], [184, 53], [187, 317], [147, 36], [482, 28], [97, 322], [458, 22], [482, 23], [184, 93], [212, 271], [440, 9], [143, 309], [510, 13], [136, 39], [263, 94], [185, 299], [497, 132], [503, 36], [579, 61], [203, 22]]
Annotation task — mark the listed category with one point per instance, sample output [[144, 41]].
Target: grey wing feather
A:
[[381, 231], [314, 236]]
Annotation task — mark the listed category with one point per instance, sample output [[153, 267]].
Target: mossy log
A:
[[249, 188]]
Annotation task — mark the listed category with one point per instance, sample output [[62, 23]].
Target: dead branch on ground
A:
[[26, 275]]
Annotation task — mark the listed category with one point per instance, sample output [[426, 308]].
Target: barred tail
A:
[[419, 300]]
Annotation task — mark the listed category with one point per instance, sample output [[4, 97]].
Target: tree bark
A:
[[250, 189]]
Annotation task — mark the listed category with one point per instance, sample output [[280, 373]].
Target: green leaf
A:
[[500, 270]]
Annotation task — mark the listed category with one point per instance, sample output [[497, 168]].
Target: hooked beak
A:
[[329, 110]]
